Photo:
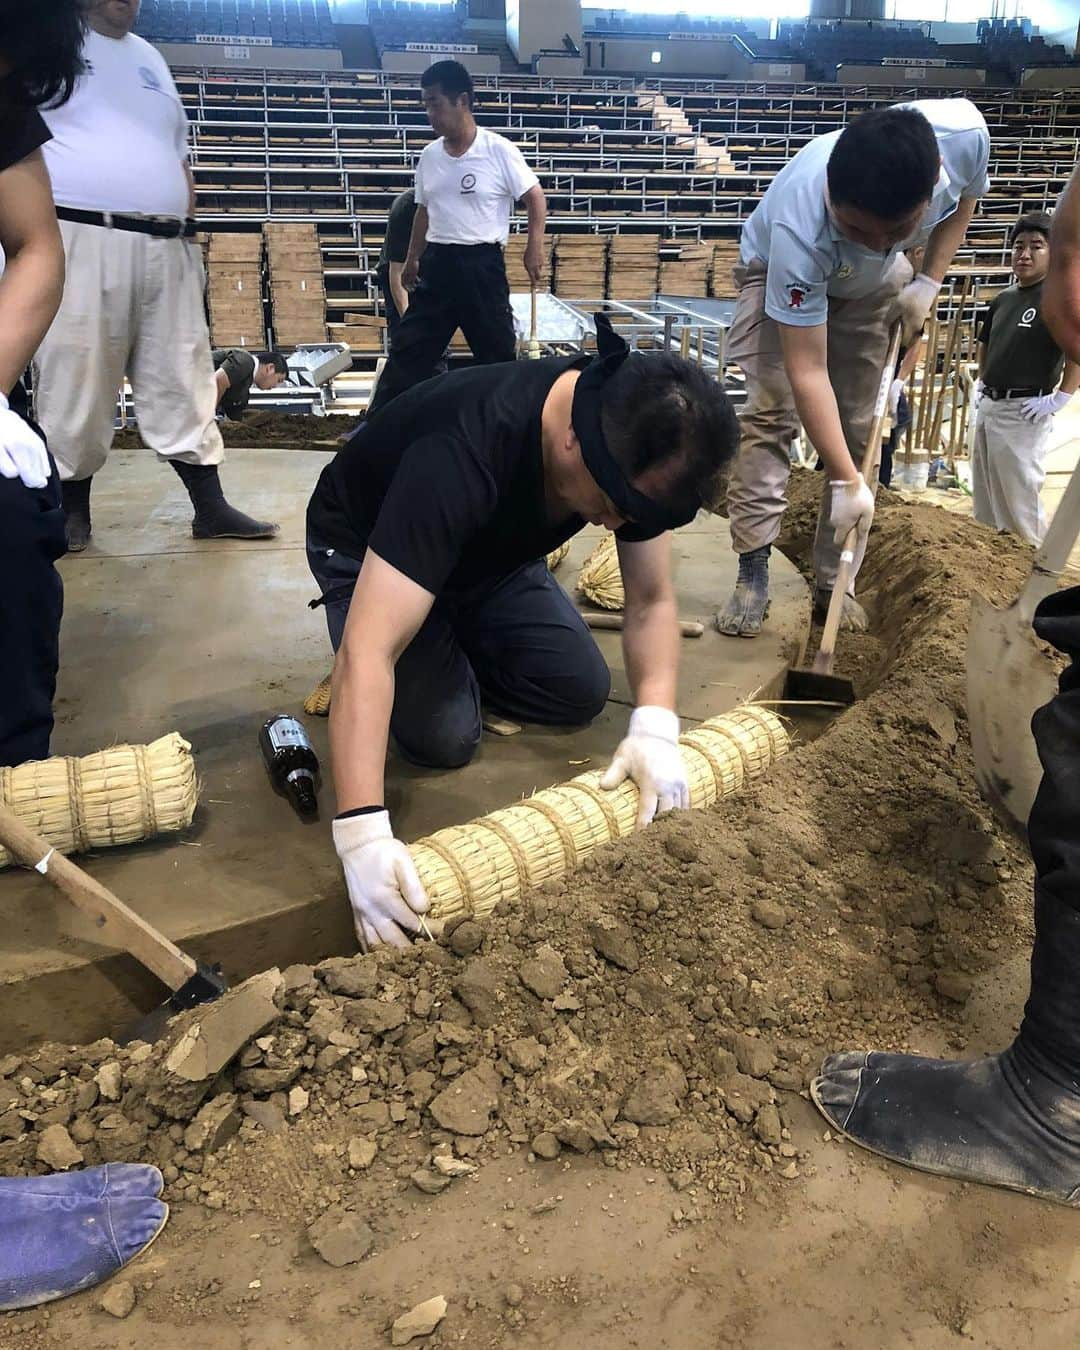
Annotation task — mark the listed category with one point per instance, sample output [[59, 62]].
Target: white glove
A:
[[22, 451], [914, 303], [895, 390], [650, 755], [852, 505], [1046, 405], [384, 888], [977, 391]]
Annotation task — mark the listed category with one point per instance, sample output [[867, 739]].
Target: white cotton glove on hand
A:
[[895, 390], [384, 887], [914, 303], [1046, 405], [22, 451], [650, 755], [852, 505]]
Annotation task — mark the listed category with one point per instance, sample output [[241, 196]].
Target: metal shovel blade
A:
[[1008, 677]]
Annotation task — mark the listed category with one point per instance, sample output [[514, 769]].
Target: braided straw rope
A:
[[555, 557], [317, 703], [115, 796], [469, 869], [600, 579]]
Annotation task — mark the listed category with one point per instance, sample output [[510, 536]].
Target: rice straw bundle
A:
[[468, 869], [115, 796], [317, 703], [600, 579], [555, 557]]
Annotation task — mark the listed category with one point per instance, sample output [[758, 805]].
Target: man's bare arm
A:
[[650, 622], [806, 359], [1061, 293], [32, 284]]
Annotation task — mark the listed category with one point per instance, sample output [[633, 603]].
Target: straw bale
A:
[[555, 557], [317, 703], [469, 869], [114, 796], [600, 579]]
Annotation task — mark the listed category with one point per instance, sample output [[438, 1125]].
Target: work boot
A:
[[68, 1232], [77, 527], [214, 517], [853, 618], [745, 612], [1011, 1119]]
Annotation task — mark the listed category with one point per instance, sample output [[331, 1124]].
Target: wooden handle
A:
[[532, 330], [826, 653], [613, 623], [119, 926]]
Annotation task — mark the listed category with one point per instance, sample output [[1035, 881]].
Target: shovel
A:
[[819, 684], [1008, 677], [534, 342], [191, 982]]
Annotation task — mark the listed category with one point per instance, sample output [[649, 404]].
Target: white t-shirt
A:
[[120, 142], [469, 197], [808, 256]]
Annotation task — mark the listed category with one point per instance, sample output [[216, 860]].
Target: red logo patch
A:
[[796, 295]]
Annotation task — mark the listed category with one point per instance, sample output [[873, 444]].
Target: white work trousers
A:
[[133, 305], [1007, 468]]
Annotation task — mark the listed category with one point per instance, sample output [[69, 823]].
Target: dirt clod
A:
[[57, 1150], [545, 973], [656, 1097], [117, 1298], [467, 1105], [341, 1238], [419, 1321], [615, 943], [546, 1146]]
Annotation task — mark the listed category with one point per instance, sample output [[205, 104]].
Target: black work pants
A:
[[393, 319], [516, 643], [31, 604], [461, 286]]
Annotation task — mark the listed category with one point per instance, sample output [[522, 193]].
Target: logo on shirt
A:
[[1027, 318], [468, 183], [796, 293], [844, 271]]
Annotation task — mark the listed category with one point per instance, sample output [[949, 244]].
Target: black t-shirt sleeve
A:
[[986, 320], [636, 534], [441, 495], [399, 231], [21, 133]]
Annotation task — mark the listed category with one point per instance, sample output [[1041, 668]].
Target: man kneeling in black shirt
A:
[[427, 534]]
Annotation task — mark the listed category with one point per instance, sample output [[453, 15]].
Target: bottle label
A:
[[286, 732]]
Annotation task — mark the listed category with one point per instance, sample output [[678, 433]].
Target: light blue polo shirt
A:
[[809, 258]]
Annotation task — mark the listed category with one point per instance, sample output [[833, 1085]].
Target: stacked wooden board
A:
[[725, 256], [632, 266], [297, 293], [235, 288], [580, 266], [515, 264], [362, 332], [685, 269]]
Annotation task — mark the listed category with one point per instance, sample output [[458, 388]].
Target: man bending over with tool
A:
[[427, 534], [820, 282], [1011, 1119]]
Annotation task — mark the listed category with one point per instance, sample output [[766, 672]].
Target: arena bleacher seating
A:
[[337, 147], [394, 25], [288, 23]]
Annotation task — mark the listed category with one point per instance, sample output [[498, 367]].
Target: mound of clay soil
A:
[[660, 1004], [270, 430]]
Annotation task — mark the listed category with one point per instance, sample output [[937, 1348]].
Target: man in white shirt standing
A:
[[466, 185], [133, 300], [821, 280]]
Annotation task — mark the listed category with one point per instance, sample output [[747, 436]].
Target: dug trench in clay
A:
[[662, 1006]]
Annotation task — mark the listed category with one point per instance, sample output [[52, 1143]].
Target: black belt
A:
[[462, 248], [161, 227], [998, 394]]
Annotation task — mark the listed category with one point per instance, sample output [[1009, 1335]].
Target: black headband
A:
[[632, 505]]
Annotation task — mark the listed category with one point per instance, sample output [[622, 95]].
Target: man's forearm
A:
[[362, 698], [418, 236], [30, 292], [651, 652], [815, 403], [537, 209], [1070, 379], [398, 292], [946, 238]]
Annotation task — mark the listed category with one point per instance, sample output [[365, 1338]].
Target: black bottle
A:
[[291, 762]]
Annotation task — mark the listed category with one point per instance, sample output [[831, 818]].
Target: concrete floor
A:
[[162, 632]]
